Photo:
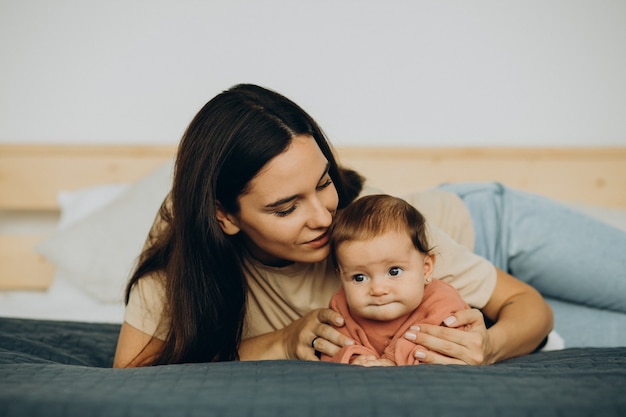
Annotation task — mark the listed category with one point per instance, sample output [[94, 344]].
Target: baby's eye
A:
[[395, 271], [359, 278]]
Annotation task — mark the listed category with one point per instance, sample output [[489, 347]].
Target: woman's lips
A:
[[319, 241]]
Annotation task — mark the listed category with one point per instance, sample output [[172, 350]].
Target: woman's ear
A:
[[228, 222], [429, 266]]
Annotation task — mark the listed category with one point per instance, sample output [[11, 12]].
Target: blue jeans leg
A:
[[565, 254]]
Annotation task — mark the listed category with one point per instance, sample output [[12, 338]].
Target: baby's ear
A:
[[429, 266], [228, 222]]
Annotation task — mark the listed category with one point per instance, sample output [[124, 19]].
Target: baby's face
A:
[[383, 277]]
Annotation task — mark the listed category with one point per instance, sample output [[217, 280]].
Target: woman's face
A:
[[288, 208]]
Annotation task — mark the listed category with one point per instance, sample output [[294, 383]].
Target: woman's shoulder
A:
[[447, 211], [146, 302]]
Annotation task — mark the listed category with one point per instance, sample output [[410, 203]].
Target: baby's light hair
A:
[[374, 215]]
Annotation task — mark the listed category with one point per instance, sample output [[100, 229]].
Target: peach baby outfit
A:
[[385, 339]]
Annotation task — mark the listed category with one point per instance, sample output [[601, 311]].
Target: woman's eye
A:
[[325, 184], [395, 271], [286, 212], [359, 278]]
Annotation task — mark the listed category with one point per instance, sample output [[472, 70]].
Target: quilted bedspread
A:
[[50, 368]]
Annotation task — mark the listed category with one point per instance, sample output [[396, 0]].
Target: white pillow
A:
[[97, 251], [78, 204]]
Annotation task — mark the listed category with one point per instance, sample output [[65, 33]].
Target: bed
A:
[[72, 221]]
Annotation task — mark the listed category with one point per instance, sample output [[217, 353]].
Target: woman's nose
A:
[[321, 216]]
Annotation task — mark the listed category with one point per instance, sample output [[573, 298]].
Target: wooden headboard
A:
[[32, 175]]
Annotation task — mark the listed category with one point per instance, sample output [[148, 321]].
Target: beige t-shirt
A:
[[278, 296]]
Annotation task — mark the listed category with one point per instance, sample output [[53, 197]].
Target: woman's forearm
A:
[[295, 341], [522, 319], [267, 346]]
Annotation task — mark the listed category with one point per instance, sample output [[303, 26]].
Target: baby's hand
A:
[[371, 360]]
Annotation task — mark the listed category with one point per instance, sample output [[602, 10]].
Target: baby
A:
[[381, 252]]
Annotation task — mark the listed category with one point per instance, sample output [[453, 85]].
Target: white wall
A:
[[458, 72]]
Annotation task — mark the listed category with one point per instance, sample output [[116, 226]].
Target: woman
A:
[[236, 264]]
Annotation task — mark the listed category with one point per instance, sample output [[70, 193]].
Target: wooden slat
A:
[[32, 175], [585, 175], [22, 268]]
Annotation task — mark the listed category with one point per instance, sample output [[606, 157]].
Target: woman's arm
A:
[[135, 348], [522, 320], [294, 340]]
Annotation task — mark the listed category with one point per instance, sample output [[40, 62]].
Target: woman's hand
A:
[[463, 340], [315, 332], [300, 339], [522, 319]]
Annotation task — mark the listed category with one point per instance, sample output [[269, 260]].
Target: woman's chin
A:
[[310, 256], [313, 256], [320, 254]]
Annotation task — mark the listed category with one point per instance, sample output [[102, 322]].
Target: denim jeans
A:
[[557, 249], [570, 257]]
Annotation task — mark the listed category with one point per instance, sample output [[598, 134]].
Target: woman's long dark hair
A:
[[226, 144]]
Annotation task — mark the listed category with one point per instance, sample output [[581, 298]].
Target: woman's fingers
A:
[[318, 326], [464, 341], [444, 347], [328, 316], [466, 346], [432, 357], [465, 319], [327, 339]]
